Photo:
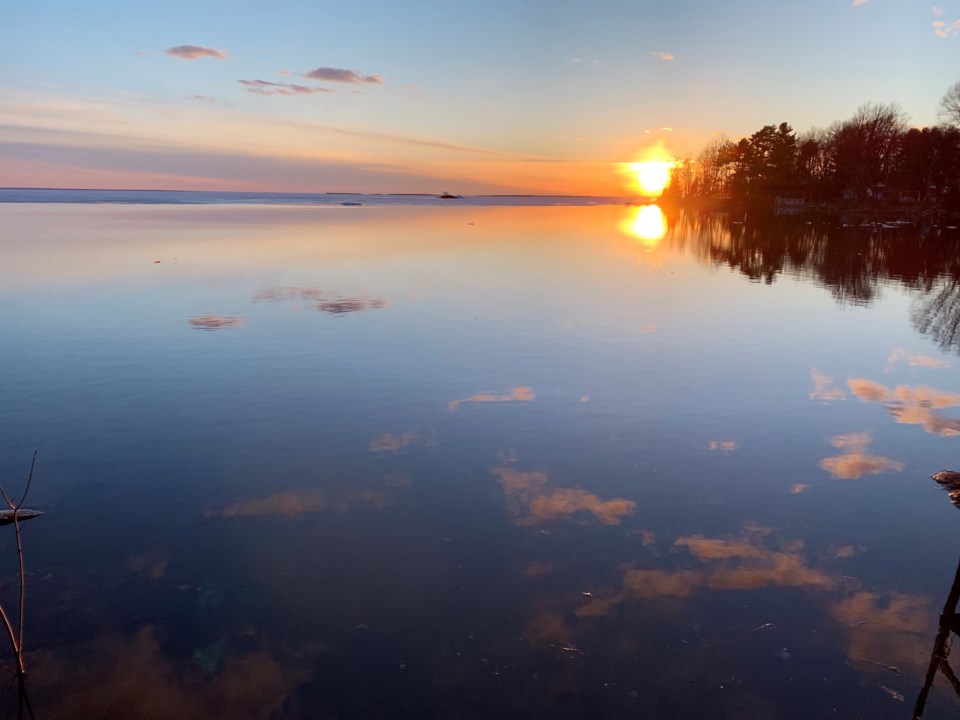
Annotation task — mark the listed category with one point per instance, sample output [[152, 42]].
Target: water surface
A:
[[469, 461]]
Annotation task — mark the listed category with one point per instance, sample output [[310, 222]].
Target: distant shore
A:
[[217, 197]]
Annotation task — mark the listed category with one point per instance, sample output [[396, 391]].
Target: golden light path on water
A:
[[647, 224]]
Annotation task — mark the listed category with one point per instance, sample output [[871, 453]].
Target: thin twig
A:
[[23, 578], [16, 530], [16, 638], [29, 480], [13, 641], [6, 499]]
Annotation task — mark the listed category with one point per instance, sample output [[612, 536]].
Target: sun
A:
[[650, 174]]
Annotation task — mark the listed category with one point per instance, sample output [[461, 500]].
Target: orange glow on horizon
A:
[[650, 174], [647, 224]]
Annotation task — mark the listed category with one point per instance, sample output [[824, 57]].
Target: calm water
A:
[[476, 462]]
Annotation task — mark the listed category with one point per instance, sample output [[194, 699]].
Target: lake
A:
[[477, 460]]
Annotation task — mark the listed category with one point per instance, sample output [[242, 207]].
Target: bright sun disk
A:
[[649, 174], [652, 176]]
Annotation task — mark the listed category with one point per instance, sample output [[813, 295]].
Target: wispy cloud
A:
[[80, 155], [331, 74], [202, 98], [266, 87], [855, 3], [195, 52], [942, 29], [662, 55]]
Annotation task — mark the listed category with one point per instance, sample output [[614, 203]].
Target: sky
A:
[[544, 97]]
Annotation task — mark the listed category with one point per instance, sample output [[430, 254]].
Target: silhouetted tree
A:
[[865, 147], [929, 161], [872, 152], [765, 163], [814, 162], [715, 165], [950, 105]]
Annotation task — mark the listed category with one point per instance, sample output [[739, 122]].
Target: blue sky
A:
[[529, 96]]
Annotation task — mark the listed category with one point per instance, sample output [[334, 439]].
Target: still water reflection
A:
[[462, 462]]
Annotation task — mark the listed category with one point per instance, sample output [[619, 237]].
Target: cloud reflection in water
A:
[[912, 405], [824, 389], [740, 563], [531, 502], [328, 301], [393, 443], [215, 322], [855, 463], [117, 676], [517, 394]]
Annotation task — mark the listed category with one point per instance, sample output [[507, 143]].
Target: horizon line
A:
[[311, 192]]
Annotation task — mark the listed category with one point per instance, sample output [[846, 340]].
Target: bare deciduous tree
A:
[[950, 105]]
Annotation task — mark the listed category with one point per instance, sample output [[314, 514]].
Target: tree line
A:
[[873, 157]]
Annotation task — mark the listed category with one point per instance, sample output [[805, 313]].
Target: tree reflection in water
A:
[[939, 656], [853, 260], [949, 619], [937, 313]]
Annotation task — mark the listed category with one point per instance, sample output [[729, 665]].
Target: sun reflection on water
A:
[[647, 224]]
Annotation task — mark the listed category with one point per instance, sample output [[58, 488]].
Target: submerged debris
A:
[[891, 668], [6, 516], [892, 693], [950, 481]]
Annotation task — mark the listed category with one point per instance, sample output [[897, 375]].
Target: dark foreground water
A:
[[477, 462]]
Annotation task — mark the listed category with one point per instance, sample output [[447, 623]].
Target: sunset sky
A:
[[383, 96]]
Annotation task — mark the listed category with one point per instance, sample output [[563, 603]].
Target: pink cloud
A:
[[195, 52], [265, 87], [330, 74]]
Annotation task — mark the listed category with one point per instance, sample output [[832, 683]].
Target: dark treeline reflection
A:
[[852, 260]]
